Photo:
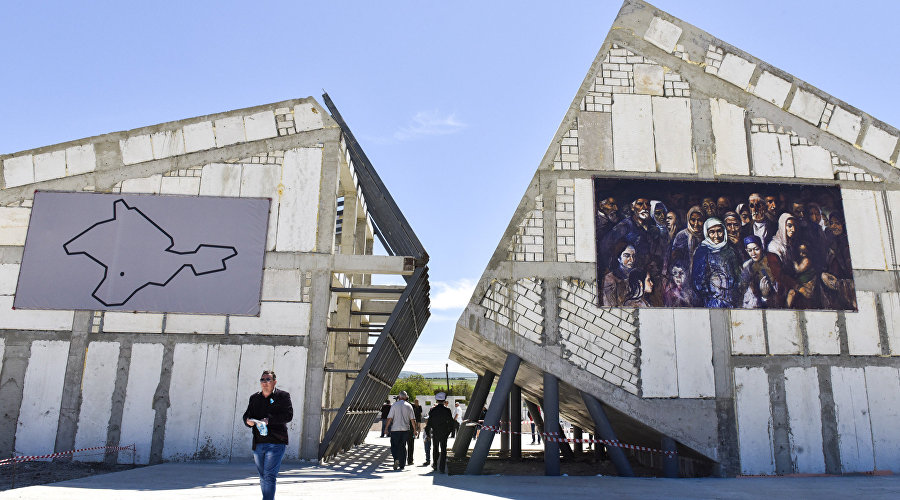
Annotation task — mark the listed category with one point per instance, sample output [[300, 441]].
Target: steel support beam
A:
[[670, 462], [578, 435], [515, 419], [564, 447], [505, 422], [492, 419], [604, 430], [476, 402], [551, 425]]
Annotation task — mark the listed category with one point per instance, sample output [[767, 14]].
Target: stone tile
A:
[[879, 143], [772, 89], [808, 106], [80, 159], [307, 117], [736, 70], [260, 126], [149, 185], [18, 171], [844, 125], [136, 149], [772, 155], [731, 138], [13, 225], [180, 185], [663, 34], [167, 143], [812, 162], [50, 165], [672, 135], [648, 79], [199, 137], [230, 130], [633, 148]]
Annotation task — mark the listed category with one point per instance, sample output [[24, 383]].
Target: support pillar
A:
[[551, 425], [515, 418], [578, 435], [500, 399], [605, 431], [505, 426], [479, 396], [564, 447], [536, 416], [670, 462]]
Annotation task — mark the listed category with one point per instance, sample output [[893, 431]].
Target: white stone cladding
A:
[[527, 244], [602, 341]]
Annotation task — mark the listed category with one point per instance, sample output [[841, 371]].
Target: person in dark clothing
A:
[[385, 409], [411, 439], [267, 414], [440, 423]]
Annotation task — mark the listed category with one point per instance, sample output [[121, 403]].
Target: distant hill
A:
[[404, 374], [471, 375]]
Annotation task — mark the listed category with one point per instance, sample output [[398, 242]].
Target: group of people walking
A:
[[768, 251], [402, 422]]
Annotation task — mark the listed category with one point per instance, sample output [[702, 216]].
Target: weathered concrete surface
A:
[[366, 472]]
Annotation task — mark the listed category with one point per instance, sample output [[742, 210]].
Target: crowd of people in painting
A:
[[758, 251]]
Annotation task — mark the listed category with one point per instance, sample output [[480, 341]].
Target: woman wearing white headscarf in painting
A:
[[716, 268]]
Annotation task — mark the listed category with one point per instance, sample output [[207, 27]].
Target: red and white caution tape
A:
[[553, 437], [28, 458]]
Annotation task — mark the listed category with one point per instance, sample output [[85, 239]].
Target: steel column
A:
[[505, 425], [479, 396], [515, 419], [605, 431], [500, 400], [577, 434], [551, 425], [670, 462], [564, 447]]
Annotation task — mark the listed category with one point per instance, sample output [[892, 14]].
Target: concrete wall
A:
[[176, 385], [795, 391]]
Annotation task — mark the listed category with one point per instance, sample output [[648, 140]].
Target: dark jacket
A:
[[417, 411], [385, 409], [440, 421], [277, 408]]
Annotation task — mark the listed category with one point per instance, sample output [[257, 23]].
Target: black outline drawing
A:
[[168, 249]]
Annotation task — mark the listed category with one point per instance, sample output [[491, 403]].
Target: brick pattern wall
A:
[[528, 243], [714, 56], [271, 158], [844, 171], [517, 307], [527, 310], [565, 220], [602, 341], [284, 120], [617, 77], [567, 156]]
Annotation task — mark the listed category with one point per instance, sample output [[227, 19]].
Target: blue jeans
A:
[[268, 459], [383, 427], [398, 447]]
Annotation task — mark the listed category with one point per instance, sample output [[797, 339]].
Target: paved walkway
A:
[[366, 473]]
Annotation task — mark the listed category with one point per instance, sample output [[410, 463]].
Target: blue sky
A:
[[454, 102]]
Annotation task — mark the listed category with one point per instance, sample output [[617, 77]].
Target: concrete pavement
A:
[[366, 472]]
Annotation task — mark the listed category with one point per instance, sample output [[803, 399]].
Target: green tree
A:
[[414, 385]]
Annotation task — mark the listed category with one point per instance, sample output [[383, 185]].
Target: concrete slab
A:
[[366, 472]]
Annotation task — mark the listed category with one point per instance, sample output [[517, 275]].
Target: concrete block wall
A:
[[164, 381], [795, 391]]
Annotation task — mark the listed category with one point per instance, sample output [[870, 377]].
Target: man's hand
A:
[[251, 423]]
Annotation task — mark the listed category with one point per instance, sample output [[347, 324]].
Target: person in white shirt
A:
[[401, 421], [457, 418]]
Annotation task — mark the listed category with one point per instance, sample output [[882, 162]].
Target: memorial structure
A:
[[704, 262], [148, 277]]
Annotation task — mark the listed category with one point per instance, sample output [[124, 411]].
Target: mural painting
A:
[[721, 245]]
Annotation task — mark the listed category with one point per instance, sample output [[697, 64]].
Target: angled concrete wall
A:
[[791, 391], [176, 385]]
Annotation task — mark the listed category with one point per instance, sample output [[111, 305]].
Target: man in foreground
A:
[[267, 414]]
